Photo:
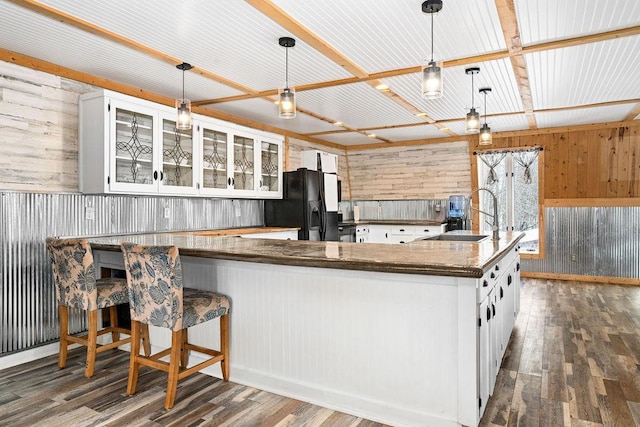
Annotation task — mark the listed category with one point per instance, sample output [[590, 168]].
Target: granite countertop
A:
[[392, 222], [428, 257]]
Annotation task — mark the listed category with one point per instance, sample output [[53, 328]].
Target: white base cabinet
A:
[[399, 234], [131, 146]]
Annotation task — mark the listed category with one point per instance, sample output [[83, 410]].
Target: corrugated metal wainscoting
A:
[[28, 313], [592, 241]]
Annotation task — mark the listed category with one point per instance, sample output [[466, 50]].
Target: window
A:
[[513, 177]]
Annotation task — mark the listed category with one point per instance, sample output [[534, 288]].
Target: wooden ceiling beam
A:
[[634, 113], [511, 32]]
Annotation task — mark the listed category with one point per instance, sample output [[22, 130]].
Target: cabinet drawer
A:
[[427, 230], [402, 230]]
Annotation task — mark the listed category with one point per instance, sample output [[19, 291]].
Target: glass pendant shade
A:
[[431, 81], [183, 107], [472, 124], [286, 103], [485, 135]]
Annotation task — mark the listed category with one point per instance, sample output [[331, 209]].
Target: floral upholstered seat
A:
[[76, 286], [157, 297]]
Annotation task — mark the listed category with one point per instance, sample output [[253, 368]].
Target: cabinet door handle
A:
[[228, 181], [161, 176], [155, 175], [497, 267], [493, 276], [518, 267], [233, 181], [493, 307], [509, 280], [386, 235], [488, 314], [485, 284], [402, 230], [501, 292]]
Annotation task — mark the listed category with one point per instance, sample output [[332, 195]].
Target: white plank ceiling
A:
[[588, 75]]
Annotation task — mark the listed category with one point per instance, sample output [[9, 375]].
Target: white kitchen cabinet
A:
[[379, 233], [319, 160], [399, 234], [237, 162], [362, 234], [128, 145]]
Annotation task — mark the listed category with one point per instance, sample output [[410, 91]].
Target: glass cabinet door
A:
[[269, 166], [243, 163], [177, 157], [214, 159], [133, 164]]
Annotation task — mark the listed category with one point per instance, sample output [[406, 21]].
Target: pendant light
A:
[[485, 131], [287, 96], [183, 105], [472, 124], [431, 73]]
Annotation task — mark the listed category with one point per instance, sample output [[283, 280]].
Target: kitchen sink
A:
[[459, 237]]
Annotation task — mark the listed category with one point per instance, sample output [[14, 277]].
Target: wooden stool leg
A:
[[92, 343], [174, 368], [63, 321], [184, 352], [144, 331], [113, 322], [135, 352], [224, 346]]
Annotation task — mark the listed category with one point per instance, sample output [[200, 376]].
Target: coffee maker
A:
[[456, 219]]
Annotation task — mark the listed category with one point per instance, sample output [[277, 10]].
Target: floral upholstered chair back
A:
[[154, 277], [73, 273]]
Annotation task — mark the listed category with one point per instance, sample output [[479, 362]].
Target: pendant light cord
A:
[[183, 85], [431, 37], [485, 108], [472, 97], [286, 67]]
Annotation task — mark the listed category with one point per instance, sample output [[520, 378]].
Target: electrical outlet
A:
[[438, 207], [167, 213], [89, 213], [573, 257]]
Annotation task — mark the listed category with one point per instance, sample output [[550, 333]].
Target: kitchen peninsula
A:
[[403, 334]]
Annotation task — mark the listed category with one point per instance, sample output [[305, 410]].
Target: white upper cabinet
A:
[[132, 146]]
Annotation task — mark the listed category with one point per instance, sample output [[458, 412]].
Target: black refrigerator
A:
[[309, 202]]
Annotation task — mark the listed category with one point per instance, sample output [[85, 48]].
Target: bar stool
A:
[[77, 287], [157, 297]]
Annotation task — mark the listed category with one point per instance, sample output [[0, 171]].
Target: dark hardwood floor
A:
[[573, 360]]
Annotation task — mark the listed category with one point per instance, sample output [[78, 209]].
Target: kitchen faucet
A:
[[494, 227]]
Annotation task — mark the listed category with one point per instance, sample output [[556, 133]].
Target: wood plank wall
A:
[[432, 171], [586, 164], [38, 130]]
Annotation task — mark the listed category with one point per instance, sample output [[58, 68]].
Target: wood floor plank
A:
[[620, 413], [573, 360]]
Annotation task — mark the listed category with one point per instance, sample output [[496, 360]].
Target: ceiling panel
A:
[[357, 105], [545, 20], [583, 116], [410, 133], [382, 35], [264, 111], [585, 74], [507, 123], [97, 56], [456, 101], [350, 138], [227, 38]]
